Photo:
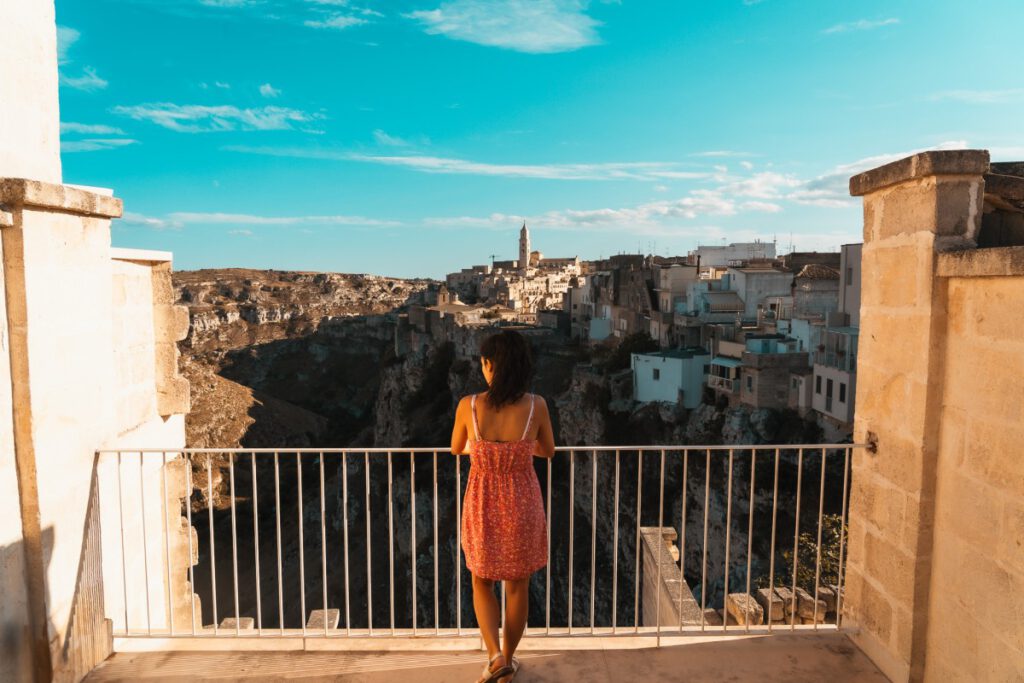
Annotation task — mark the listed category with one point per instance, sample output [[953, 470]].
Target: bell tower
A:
[[524, 249]]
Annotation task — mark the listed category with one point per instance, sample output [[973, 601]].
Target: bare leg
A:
[[517, 607], [488, 614]]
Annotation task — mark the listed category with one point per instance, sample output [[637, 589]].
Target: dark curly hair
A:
[[509, 354]]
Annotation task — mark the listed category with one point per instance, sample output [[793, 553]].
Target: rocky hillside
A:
[[256, 334]]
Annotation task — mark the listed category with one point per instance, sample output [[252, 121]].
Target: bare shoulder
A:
[[540, 403]]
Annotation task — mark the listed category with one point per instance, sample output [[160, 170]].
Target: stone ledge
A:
[[140, 255], [946, 162], [992, 262], [20, 192]]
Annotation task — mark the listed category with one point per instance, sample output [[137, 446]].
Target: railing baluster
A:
[[280, 565], [302, 548], [167, 542], [145, 543], [412, 532], [817, 561], [661, 543], [615, 548], [728, 536], [796, 534], [572, 526], [124, 562], [593, 534], [750, 528], [636, 559], [369, 570], [437, 621], [547, 568], [188, 516], [771, 550], [682, 540], [323, 541], [256, 543], [213, 552], [234, 540], [458, 543], [704, 549], [344, 538], [391, 546], [842, 539]]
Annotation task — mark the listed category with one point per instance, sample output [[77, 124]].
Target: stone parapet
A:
[[36, 194]]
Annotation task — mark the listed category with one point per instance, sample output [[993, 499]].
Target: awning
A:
[[724, 302], [726, 362]]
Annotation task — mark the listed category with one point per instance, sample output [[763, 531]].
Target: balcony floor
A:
[[784, 658]]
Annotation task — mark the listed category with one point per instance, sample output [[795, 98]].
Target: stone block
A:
[[807, 607], [920, 165], [744, 608], [828, 596], [771, 604], [712, 617], [316, 619], [728, 618], [786, 595], [173, 397], [228, 623]]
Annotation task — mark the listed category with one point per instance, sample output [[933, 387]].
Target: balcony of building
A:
[[283, 555]]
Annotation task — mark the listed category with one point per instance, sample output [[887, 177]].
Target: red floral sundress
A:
[[504, 530]]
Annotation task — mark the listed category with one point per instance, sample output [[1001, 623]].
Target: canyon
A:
[[287, 360]]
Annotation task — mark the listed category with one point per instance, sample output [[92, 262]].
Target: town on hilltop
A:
[[731, 324]]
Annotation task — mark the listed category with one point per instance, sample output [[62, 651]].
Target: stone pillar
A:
[[913, 209], [29, 117]]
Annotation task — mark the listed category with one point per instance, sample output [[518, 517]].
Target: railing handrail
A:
[[445, 449]]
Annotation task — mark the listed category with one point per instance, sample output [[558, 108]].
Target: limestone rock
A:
[[712, 617], [829, 596], [744, 608], [771, 603], [806, 605]]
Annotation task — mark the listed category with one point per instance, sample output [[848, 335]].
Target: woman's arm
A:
[[545, 435], [460, 431]]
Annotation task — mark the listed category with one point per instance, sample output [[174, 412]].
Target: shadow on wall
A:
[[16, 644]]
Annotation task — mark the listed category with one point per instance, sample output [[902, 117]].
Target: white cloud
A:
[[268, 90], [390, 140], [143, 221], [833, 188], [533, 26], [200, 218], [95, 144], [861, 25], [241, 232], [338, 21], [89, 81], [747, 165], [981, 96], [89, 129], [721, 153], [333, 3], [626, 170], [229, 3], [661, 188], [66, 37], [225, 86], [199, 119]]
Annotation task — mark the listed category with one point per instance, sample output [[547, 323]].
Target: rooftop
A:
[[689, 352]]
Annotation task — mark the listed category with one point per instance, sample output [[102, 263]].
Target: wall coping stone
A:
[[144, 255], [991, 262], [21, 192], [938, 162]]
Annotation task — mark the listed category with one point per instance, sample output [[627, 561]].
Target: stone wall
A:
[[934, 571]]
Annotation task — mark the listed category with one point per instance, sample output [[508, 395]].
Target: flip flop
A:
[[515, 668], [490, 676]]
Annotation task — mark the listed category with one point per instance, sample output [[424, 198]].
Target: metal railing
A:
[[723, 383], [336, 548]]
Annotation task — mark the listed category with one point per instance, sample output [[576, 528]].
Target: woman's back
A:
[[514, 422]]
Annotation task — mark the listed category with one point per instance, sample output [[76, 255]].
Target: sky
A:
[[413, 137]]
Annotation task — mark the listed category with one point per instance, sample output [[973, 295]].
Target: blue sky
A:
[[412, 137]]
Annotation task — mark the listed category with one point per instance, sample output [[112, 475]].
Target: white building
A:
[[732, 254], [675, 376]]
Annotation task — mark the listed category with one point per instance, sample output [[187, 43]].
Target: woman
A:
[[504, 531]]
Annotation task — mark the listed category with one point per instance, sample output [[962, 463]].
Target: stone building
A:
[[89, 362]]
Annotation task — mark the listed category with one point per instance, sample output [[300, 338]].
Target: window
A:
[[657, 374], [842, 392], [750, 383], [796, 383], [828, 395], [817, 385], [849, 276]]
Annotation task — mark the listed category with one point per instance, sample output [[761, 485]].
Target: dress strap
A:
[[472, 409], [529, 418]]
